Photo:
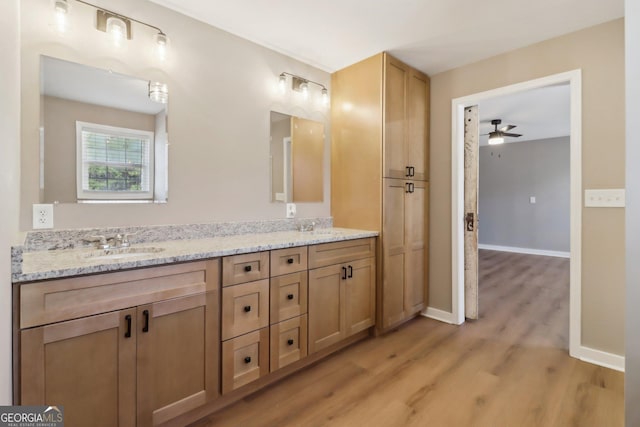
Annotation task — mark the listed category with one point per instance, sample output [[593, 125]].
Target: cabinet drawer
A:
[[245, 268], [245, 359], [245, 308], [288, 296], [338, 252], [64, 299], [289, 260], [288, 342]]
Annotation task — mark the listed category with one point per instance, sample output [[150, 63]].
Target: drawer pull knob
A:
[[247, 268], [247, 359], [290, 296], [290, 261], [290, 341], [247, 308]]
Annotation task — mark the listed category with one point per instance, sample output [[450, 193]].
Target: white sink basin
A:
[[122, 253]]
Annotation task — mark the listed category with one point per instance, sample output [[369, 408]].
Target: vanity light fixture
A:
[[282, 82], [300, 84], [62, 9], [118, 26], [158, 92]]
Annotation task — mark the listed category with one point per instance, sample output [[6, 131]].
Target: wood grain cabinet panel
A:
[[326, 254], [289, 260], [86, 365], [245, 359], [139, 366], [245, 268], [288, 295], [245, 308], [342, 299], [391, 143], [288, 342]]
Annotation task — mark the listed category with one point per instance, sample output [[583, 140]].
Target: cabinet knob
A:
[[247, 308], [290, 296], [290, 261], [290, 341], [247, 268], [247, 359]]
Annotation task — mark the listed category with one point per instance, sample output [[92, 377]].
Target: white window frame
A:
[[88, 195]]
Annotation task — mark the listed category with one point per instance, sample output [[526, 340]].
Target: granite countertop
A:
[[41, 265]]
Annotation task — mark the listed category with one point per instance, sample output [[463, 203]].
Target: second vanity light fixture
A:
[[118, 26], [300, 84]]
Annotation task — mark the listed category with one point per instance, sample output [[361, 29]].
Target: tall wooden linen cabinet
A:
[[380, 175]]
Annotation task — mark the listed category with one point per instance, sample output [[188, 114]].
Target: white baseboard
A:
[[441, 315], [529, 251], [602, 358]]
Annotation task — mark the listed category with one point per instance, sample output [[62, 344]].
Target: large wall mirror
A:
[[103, 135], [297, 151]]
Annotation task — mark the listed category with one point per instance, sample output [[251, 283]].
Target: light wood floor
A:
[[510, 368]]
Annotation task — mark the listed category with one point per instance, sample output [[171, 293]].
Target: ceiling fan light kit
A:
[[497, 135]]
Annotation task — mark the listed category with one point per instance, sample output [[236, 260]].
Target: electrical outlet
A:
[[291, 210], [43, 216]]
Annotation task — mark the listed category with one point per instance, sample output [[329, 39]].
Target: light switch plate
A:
[[42, 216], [609, 198], [532, 200]]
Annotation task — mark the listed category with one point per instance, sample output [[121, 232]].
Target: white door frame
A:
[[574, 79]]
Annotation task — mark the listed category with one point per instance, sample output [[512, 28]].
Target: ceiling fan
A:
[[497, 135]]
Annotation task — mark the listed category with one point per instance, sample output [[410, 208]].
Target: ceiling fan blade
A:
[[515, 135], [507, 128]]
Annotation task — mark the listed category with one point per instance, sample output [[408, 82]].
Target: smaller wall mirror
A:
[[297, 151], [102, 137]]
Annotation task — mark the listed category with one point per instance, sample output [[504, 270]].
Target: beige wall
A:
[[60, 117], [9, 177], [222, 89], [599, 52]]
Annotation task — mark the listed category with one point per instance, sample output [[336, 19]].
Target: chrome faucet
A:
[[103, 242], [308, 227]]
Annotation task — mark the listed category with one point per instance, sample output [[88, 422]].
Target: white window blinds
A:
[[114, 163]]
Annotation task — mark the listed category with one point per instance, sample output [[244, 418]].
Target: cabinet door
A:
[[395, 114], [87, 365], [393, 248], [416, 248], [326, 307], [417, 126], [361, 295], [178, 360]]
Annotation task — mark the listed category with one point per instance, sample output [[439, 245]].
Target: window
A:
[[114, 163]]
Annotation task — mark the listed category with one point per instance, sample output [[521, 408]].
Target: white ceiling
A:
[[431, 35], [81, 83], [538, 114]]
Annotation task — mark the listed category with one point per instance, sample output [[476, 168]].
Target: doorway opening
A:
[[573, 79]]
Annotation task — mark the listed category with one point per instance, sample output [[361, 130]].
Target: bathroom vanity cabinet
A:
[[122, 349], [169, 344]]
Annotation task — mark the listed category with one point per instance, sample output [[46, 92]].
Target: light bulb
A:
[[61, 9], [304, 87], [496, 140], [161, 42], [282, 83], [159, 92], [117, 29], [325, 96]]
